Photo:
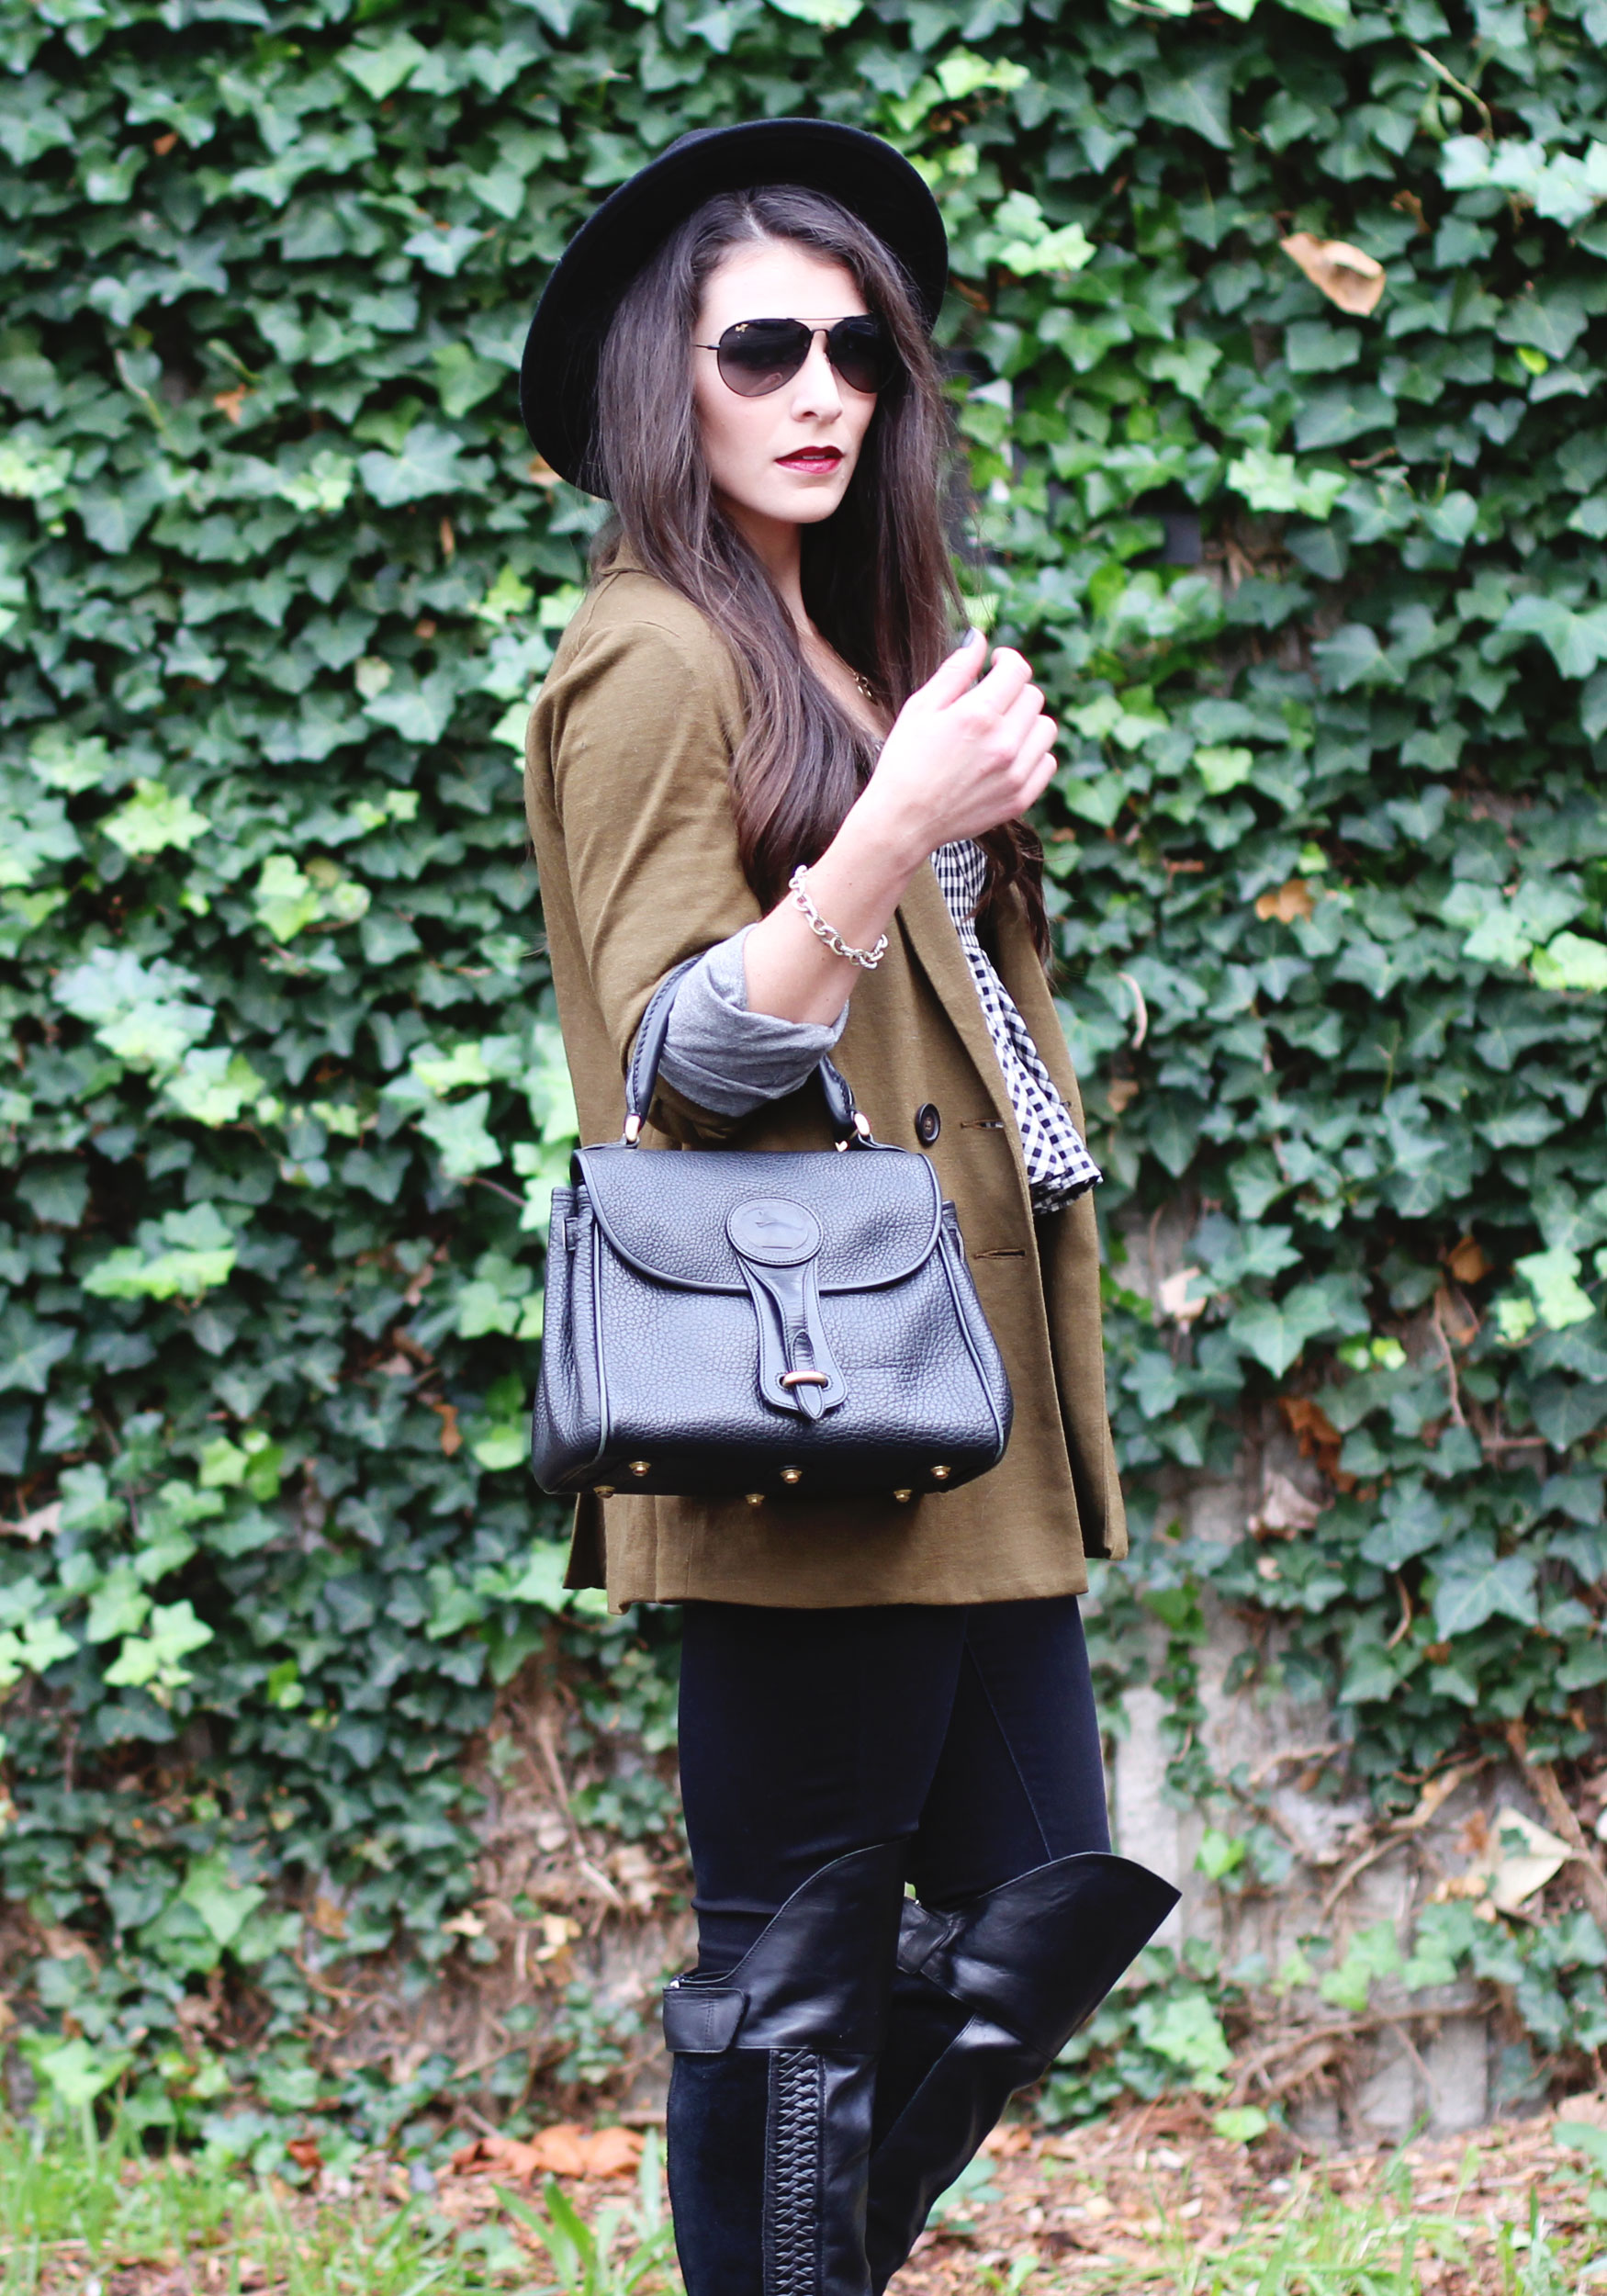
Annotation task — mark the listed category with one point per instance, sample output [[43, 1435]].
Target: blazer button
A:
[[928, 1124]]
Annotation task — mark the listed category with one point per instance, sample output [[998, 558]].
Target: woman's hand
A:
[[966, 753]]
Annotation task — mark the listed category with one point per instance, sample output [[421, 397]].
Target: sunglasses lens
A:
[[759, 355], [862, 353]]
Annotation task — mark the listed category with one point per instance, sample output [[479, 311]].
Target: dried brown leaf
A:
[[1290, 900], [1347, 275]]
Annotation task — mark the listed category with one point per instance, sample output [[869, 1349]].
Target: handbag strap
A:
[[642, 1071]]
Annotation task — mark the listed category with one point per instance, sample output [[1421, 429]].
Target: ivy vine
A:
[[1277, 343]]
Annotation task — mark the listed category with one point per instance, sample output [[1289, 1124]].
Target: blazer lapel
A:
[[929, 931]]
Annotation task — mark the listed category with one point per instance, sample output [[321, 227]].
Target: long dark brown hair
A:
[[878, 577]]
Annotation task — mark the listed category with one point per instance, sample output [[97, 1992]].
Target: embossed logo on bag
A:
[[774, 1232]]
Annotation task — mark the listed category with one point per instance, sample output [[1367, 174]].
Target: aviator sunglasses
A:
[[758, 355]]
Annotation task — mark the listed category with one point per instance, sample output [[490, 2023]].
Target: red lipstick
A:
[[818, 459]]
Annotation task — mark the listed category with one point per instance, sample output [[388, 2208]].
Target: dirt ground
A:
[[1149, 2198], [1153, 2196], [1147, 2195]]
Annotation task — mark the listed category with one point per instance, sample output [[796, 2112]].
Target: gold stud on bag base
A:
[[791, 1475]]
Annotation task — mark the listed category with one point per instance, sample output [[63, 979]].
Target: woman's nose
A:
[[815, 391]]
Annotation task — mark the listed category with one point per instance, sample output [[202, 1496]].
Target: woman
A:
[[756, 748]]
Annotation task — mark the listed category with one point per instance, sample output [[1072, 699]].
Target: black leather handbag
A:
[[724, 1323]]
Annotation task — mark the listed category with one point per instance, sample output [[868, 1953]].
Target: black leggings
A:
[[967, 1730]]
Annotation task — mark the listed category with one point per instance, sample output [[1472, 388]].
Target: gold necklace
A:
[[862, 684]]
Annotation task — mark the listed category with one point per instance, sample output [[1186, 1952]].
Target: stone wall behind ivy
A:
[[1321, 592]]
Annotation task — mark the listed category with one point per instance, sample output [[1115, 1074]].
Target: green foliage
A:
[[1164, 2028], [1327, 854]]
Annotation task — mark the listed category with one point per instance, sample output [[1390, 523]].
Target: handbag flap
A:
[[665, 1209]]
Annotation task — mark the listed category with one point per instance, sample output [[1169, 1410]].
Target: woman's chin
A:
[[806, 500]]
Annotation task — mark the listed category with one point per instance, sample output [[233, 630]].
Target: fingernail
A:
[[972, 637]]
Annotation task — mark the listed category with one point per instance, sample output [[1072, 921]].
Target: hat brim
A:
[[557, 378]]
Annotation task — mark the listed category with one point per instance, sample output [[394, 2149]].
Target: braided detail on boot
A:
[[792, 2166]]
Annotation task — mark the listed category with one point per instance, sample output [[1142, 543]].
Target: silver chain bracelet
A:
[[866, 959]]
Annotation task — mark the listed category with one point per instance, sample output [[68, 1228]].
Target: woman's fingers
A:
[[958, 673], [976, 751], [1018, 721], [1005, 681]]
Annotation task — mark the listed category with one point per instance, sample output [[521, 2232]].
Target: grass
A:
[[99, 2218], [1516, 2212]]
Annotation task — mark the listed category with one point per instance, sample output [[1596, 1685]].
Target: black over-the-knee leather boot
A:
[[773, 2091], [985, 1998]]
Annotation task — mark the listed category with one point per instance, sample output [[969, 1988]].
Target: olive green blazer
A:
[[626, 789]]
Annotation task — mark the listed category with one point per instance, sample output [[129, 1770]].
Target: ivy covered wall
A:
[[1312, 546]]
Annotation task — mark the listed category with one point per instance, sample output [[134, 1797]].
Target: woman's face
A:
[[788, 456]]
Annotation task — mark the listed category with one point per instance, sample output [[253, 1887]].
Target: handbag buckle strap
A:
[[777, 1243]]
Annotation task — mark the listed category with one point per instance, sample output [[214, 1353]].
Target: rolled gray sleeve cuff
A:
[[722, 1057]]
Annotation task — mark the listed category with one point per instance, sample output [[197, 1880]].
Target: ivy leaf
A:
[[31, 472], [117, 1607], [1411, 1521], [1353, 657], [1552, 322], [1577, 641], [213, 1087], [223, 1903], [1185, 2030], [1276, 482], [501, 1447], [321, 486], [549, 1087], [832, 15], [381, 66], [1372, 1954], [1553, 1277], [72, 763], [1566, 1411], [29, 124], [30, 1348], [420, 712], [140, 1009], [75, 2072], [1022, 243], [115, 518], [464, 378], [1174, 1130], [457, 1131], [155, 1659], [1474, 1586], [1194, 95], [1330, 418], [185, 1253], [430, 463], [29, 844], [1275, 1330], [154, 819], [442, 248], [1572, 961], [541, 1579]]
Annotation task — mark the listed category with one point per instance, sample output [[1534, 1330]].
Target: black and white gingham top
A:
[[1058, 1167]]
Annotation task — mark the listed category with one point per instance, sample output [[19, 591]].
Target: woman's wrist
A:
[[883, 825]]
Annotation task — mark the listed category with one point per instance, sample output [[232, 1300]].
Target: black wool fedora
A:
[[557, 378]]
